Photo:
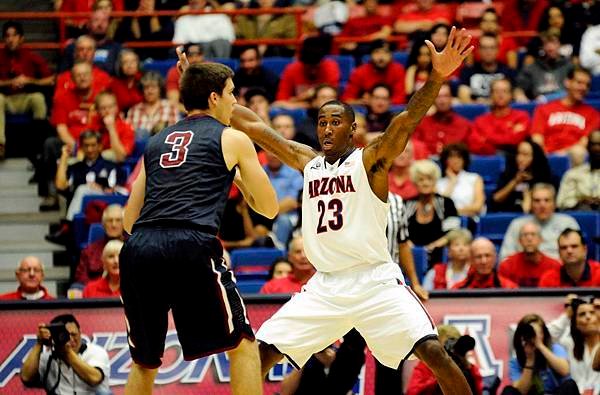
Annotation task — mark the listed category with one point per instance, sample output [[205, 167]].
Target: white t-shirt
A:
[[203, 28]]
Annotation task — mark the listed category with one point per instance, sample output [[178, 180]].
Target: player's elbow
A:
[[270, 206]]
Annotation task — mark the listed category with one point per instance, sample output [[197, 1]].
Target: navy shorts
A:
[[181, 270]]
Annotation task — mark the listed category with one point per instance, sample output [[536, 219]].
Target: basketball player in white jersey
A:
[[344, 215]]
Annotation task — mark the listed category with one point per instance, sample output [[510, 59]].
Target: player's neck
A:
[[331, 159], [195, 113]]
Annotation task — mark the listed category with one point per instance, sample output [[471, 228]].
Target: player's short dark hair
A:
[[65, 319], [15, 25], [199, 81], [348, 110]]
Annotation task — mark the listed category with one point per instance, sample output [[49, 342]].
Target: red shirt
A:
[[365, 77], [294, 81], [524, 273], [406, 190], [21, 62], [439, 12], [558, 277], [90, 262], [100, 289], [286, 285], [490, 131], [101, 81], [423, 381], [124, 131], [563, 126], [514, 19], [173, 76], [127, 94], [364, 25], [438, 130], [72, 110], [475, 280], [85, 6], [18, 295]]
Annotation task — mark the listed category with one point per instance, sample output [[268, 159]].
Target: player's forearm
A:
[[407, 263], [423, 99]]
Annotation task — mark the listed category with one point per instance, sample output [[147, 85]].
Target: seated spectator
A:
[[300, 78], [29, 274], [445, 275], [579, 186], [107, 7], [77, 366], [543, 213], [279, 269], [302, 271], [576, 269], [195, 54], [444, 126], [546, 75], [90, 265], [378, 109], [154, 112], [108, 285], [257, 100], [23, 76], [125, 84], [399, 178], [214, 32], [267, 26], [475, 80], [463, 187], [523, 170], [430, 215], [380, 70], [284, 124], [360, 137], [85, 48], [520, 15], [306, 133], [252, 74], [422, 16], [503, 127], [526, 267], [482, 273], [553, 19], [418, 70], [540, 365], [78, 26], [107, 50], [561, 125], [589, 55], [507, 47]]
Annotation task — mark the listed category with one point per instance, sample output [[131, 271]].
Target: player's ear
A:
[[213, 98], [353, 128]]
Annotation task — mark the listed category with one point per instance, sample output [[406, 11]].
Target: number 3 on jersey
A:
[[335, 206], [179, 142]]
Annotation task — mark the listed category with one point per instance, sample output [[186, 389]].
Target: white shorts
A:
[[372, 299]]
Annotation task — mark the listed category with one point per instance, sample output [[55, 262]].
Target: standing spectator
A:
[[475, 81], [503, 128], [108, 285], [543, 214], [23, 75], [154, 112], [482, 273], [302, 271], [125, 84], [541, 366], [561, 125], [214, 32], [301, 77], [419, 68], [29, 274], [306, 132], [267, 26], [252, 74], [523, 170], [195, 54], [576, 269], [507, 47], [76, 367], [446, 275], [526, 267], [378, 115], [444, 126], [399, 179], [422, 16], [381, 69], [545, 76], [579, 186], [589, 56], [430, 215]]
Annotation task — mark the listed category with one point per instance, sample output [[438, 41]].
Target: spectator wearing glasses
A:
[[29, 274]]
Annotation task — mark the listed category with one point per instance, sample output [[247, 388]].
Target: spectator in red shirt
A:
[[507, 47], [399, 180], [30, 274], [126, 84], [195, 54], [526, 267], [483, 268], [279, 269], [300, 78], [22, 75], [445, 275], [522, 14], [108, 285], [503, 127], [380, 69], [419, 67], [302, 271], [76, 26], [422, 17], [561, 125], [444, 127], [576, 269]]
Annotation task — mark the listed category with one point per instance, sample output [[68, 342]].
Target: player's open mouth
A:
[[327, 144]]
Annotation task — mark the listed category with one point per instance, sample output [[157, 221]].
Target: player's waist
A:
[[176, 224]]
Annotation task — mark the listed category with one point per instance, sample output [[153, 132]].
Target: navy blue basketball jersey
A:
[[187, 181]]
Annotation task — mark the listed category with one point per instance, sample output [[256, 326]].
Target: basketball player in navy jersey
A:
[[173, 260]]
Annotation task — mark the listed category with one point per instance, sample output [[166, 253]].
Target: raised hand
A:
[[456, 50], [182, 62]]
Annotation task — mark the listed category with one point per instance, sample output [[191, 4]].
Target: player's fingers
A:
[[464, 41], [467, 52], [451, 37], [431, 47]]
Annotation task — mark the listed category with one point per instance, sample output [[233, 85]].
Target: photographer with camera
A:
[[540, 366], [62, 363]]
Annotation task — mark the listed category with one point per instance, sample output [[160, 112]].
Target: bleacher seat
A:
[[489, 190], [594, 103], [595, 84], [421, 261], [559, 164], [96, 232], [589, 222], [80, 226], [161, 66], [254, 259], [298, 114], [470, 111], [276, 63], [231, 63], [494, 225], [250, 286], [488, 167], [346, 64], [529, 107], [252, 276]]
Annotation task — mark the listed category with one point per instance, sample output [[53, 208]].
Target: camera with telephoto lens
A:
[[59, 335], [458, 349]]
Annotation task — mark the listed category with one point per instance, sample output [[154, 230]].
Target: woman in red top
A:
[[126, 85], [108, 285]]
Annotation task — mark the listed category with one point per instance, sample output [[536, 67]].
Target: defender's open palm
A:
[[456, 50]]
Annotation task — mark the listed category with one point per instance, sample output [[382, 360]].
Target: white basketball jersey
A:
[[343, 221]]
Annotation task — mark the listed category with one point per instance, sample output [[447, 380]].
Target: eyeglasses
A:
[[34, 269]]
